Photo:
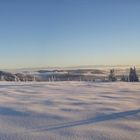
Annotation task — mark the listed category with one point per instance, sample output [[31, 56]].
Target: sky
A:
[[42, 33]]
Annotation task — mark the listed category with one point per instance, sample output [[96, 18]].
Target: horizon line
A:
[[69, 67]]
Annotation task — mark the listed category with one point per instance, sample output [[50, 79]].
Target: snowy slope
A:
[[69, 111]]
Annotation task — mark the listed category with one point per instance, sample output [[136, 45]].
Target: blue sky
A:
[[41, 33]]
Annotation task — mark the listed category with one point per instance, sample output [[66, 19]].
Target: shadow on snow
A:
[[90, 121]]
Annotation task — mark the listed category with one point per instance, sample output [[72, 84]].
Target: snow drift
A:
[[69, 111]]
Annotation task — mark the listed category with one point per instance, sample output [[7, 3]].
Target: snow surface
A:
[[69, 111]]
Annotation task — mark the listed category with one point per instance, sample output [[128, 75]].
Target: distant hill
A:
[[79, 74]]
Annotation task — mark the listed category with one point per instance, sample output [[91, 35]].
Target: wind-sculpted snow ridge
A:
[[69, 111]]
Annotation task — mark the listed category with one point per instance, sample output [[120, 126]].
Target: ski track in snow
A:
[[69, 111]]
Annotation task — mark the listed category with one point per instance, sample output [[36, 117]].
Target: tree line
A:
[[132, 76]]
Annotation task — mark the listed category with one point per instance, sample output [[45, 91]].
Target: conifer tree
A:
[[112, 76], [133, 77]]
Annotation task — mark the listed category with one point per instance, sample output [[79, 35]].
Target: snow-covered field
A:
[[69, 111]]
